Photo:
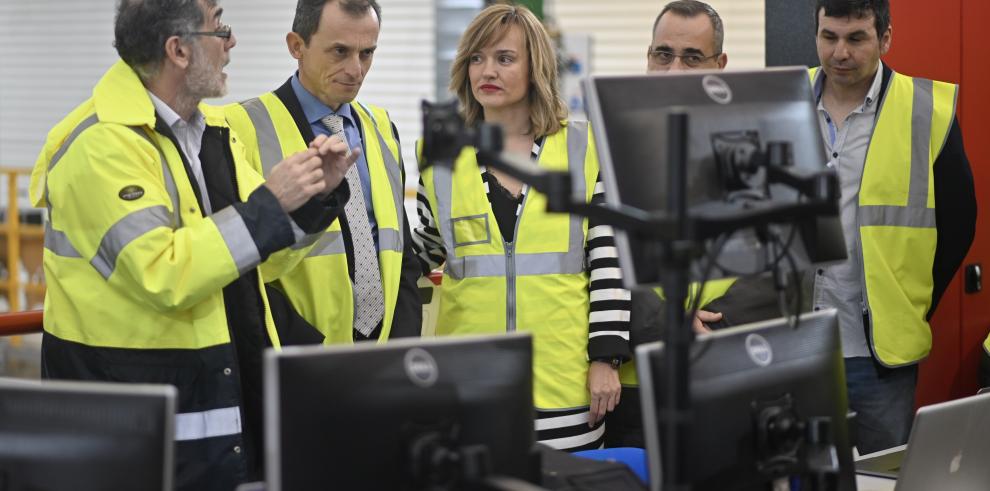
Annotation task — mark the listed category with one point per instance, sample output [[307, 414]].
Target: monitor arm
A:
[[439, 463], [445, 135], [788, 444]]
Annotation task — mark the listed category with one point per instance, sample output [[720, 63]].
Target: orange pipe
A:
[[14, 323]]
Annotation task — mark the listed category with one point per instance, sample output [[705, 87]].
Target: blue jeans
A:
[[883, 399]]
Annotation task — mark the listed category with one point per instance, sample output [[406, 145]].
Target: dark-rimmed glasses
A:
[[664, 57], [223, 31]]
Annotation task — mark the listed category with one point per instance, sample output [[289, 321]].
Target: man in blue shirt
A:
[[360, 281]]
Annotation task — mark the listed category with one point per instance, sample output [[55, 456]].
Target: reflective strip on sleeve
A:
[[207, 424], [268, 145], [125, 231], [86, 123], [238, 238]]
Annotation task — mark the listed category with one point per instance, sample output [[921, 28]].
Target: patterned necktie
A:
[[369, 302]]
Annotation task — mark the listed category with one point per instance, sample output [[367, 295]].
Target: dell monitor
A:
[[767, 402], [410, 414], [732, 118], [85, 436]]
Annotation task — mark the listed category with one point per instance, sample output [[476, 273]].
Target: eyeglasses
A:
[[665, 57], [223, 31]]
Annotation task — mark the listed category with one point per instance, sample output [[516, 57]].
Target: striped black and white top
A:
[[608, 322]]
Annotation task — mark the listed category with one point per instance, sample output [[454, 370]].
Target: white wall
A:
[[621, 30], [54, 51]]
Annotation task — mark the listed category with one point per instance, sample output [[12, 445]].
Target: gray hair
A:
[[142, 27], [691, 8], [308, 12]]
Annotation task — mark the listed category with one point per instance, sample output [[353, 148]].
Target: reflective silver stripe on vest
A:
[[57, 242], [395, 181], [896, 216], [916, 214], [389, 240], [330, 243], [125, 231], [208, 424], [239, 241], [173, 191], [570, 262], [543, 263], [922, 110], [268, 144], [333, 243], [306, 241]]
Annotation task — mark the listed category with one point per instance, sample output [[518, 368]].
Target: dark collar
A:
[[291, 102], [288, 98]]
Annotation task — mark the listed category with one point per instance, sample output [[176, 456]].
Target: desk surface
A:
[[871, 483]]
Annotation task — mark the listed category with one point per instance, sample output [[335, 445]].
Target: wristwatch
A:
[[613, 361]]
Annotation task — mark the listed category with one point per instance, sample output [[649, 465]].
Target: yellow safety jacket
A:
[[712, 290], [136, 273], [537, 283], [896, 214], [320, 288]]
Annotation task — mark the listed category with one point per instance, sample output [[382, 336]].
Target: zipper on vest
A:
[[510, 287]]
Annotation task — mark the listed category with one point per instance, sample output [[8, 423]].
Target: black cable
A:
[[711, 257], [799, 293]]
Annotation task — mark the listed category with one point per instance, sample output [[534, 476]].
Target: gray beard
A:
[[204, 81]]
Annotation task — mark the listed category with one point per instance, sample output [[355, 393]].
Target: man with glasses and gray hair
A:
[[687, 35], [158, 229]]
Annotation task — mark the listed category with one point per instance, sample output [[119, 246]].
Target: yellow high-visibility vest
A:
[[320, 288], [896, 214], [538, 283]]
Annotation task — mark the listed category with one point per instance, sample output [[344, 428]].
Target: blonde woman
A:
[[510, 265]]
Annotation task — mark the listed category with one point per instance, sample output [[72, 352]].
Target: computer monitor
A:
[[748, 385], [85, 436], [731, 117], [401, 415]]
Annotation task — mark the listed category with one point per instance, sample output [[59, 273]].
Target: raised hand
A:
[[296, 179]]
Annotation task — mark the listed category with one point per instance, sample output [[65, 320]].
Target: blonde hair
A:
[[546, 108]]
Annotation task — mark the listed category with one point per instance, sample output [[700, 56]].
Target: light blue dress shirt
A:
[[315, 110]]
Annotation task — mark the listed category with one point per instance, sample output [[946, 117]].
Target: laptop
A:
[[948, 448]]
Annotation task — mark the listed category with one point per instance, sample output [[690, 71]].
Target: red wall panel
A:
[[944, 41], [927, 39], [975, 106]]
